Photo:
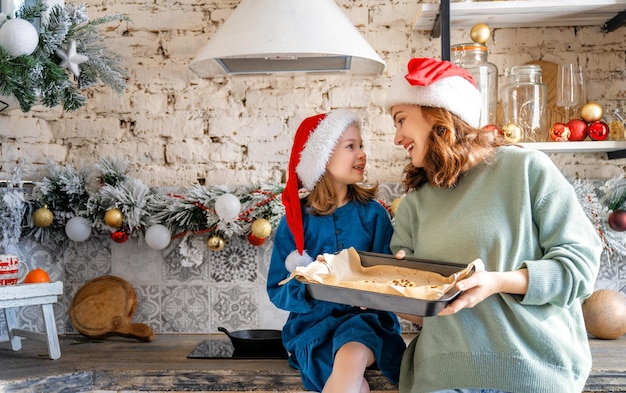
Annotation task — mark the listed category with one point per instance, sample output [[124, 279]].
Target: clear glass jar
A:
[[473, 57], [524, 102]]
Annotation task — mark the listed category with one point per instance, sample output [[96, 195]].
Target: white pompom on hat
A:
[[313, 145], [439, 84]]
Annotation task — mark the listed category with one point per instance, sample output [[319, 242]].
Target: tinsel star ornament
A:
[[43, 217], [71, 59]]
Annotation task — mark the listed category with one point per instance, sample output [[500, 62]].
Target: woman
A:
[[331, 344], [518, 325]]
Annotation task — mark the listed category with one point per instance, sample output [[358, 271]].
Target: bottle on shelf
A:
[[473, 58], [524, 102]]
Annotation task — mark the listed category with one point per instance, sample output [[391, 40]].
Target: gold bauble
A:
[[480, 33], [512, 132], [216, 243], [43, 217], [395, 204], [261, 228], [591, 111], [114, 218]]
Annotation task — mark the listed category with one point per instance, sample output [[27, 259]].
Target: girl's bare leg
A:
[[349, 366]]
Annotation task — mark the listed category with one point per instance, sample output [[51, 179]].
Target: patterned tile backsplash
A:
[[227, 289]]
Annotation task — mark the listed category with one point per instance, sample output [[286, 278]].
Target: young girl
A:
[[331, 344], [518, 326]]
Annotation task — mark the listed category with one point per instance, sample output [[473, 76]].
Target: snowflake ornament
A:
[[71, 59]]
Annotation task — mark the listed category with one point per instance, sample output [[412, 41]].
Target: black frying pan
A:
[[256, 342]]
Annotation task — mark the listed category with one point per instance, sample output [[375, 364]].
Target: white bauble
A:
[[227, 207], [158, 237], [18, 37], [78, 229]]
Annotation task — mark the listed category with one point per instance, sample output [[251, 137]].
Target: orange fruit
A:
[[36, 276]]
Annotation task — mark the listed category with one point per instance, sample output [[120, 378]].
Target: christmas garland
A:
[[69, 203], [67, 41]]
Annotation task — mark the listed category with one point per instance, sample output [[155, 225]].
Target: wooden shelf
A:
[[530, 13], [614, 149]]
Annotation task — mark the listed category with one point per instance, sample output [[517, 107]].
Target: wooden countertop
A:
[[162, 365]]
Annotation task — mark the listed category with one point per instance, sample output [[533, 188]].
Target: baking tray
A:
[[388, 302]]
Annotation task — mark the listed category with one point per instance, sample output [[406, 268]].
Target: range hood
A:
[[287, 36]]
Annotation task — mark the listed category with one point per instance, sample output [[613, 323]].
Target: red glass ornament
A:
[[497, 132], [578, 129], [119, 236], [255, 241], [598, 130], [617, 220], [559, 132]]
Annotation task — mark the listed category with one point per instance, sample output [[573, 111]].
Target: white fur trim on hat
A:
[[294, 260], [453, 93], [320, 145]]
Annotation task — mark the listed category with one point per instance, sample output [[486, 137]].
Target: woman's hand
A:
[[483, 284]]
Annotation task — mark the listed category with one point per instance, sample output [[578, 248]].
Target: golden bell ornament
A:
[[43, 217], [591, 111], [216, 243], [512, 132], [480, 33], [114, 218], [261, 228]]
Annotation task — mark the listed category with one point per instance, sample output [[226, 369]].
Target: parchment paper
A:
[[345, 270]]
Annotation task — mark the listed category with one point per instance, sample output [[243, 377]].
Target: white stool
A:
[[45, 294]]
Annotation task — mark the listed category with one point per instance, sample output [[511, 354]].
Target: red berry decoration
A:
[[598, 130], [617, 220], [255, 241], [578, 129], [119, 236], [559, 132]]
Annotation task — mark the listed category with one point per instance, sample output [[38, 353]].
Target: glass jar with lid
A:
[[524, 102], [473, 58]]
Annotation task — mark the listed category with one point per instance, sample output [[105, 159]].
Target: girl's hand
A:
[[400, 254]]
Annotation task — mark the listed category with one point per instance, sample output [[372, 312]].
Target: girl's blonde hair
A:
[[323, 201], [450, 146]]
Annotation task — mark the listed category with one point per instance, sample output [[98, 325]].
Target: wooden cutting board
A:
[[105, 307]]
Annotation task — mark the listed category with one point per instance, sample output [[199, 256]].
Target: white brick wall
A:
[[175, 127]]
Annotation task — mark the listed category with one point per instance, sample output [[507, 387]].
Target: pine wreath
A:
[[39, 77]]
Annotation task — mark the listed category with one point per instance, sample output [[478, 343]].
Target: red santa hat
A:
[[438, 84], [313, 145]]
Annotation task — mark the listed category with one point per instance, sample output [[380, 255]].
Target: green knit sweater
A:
[[519, 211]]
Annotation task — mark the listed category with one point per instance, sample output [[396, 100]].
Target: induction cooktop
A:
[[218, 348]]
